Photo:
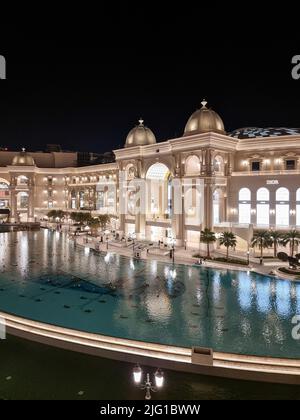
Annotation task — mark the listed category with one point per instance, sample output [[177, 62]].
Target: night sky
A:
[[85, 84]]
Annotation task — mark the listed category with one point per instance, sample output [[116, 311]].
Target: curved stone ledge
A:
[[225, 365]]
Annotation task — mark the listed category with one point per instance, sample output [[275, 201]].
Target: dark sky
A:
[[84, 84]]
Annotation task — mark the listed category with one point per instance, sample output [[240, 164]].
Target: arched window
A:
[[298, 207], [262, 207], [282, 194], [244, 194], [160, 191], [282, 207], [263, 194], [192, 165], [245, 206]]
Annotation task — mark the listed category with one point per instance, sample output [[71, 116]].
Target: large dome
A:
[[140, 136], [204, 120], [23, 159]]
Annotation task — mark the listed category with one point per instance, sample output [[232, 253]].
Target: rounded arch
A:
[[4, 183], [244, 194], [263, 194], [282, 194], [130, 171], [192, 165], [158, 171]]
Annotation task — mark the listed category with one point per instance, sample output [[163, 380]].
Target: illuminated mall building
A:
[[250, 179]]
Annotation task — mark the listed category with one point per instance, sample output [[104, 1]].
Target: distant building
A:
[[53, 148]]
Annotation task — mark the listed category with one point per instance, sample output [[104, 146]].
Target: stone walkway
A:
[[182, 256]]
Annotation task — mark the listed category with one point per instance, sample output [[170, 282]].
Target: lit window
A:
[[216, 208], [282, 194], [283, 207], [262, 214], [263, 194], [282, 214], [244, 213], [262, 207], [298, 207], [244, 194]]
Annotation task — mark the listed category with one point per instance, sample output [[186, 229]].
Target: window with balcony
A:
[[255, 165], [290, 164]]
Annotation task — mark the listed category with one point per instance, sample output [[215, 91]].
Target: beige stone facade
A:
[[224, 182]]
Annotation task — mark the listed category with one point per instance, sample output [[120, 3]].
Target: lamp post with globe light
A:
[[148, 384]]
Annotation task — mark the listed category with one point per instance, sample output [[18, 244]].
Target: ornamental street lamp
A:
[[147, 384]]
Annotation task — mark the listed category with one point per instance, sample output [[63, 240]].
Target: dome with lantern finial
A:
[[23, 159], [140, 136], [204, 120]]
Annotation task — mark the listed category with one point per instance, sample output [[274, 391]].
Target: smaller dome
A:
[[204, 120], [23, 159], [140, 136]]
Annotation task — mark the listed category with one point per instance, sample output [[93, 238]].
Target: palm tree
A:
[[293, 238], [207, 237], [228, 239], [104, 220], [261, 239], [276, 238], [94, 224]]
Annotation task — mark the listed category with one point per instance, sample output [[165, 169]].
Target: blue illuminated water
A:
[[45, 278]]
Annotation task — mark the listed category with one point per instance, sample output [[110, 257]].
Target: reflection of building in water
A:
[[158, 308], [206, 178]]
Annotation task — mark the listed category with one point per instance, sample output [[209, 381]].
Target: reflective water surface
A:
[[44, 277]]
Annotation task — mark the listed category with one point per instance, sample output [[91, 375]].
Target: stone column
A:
[[210, 162], [141, 204], [30, 211], [230, 164], [177, 211], [203, 162], [13, 216], [208, 205]]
